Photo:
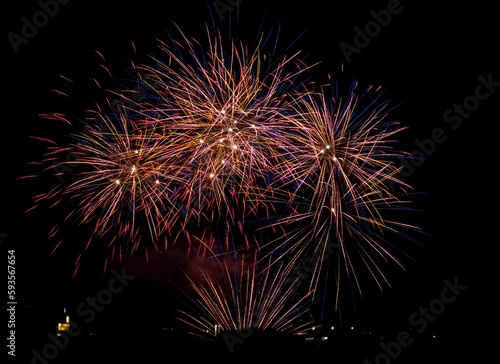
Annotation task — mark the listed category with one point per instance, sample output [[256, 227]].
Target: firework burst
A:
[[233, 292], [343, 177], [121, 181], [227, 104]]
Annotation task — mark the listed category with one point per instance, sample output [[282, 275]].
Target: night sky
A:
[[430, 59]]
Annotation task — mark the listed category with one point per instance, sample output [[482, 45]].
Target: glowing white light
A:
[[117, 181], [157, 181], [133, 168], [212, 175], [136, 151], [327, 147], [334, 159], [235, 146]]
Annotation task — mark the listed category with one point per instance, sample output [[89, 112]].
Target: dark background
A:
[[427, 58]]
